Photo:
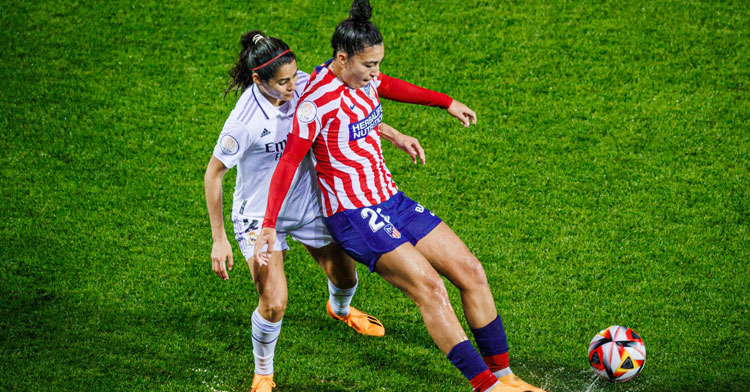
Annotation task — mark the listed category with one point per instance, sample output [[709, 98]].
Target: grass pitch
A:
[[607, 182]]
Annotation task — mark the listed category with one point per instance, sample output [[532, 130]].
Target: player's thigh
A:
[[451, 258], [336, 264], [270, 279], [409, 271]]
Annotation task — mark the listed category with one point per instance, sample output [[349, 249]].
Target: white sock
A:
[[265, 335], [502, 372], [340, 299]]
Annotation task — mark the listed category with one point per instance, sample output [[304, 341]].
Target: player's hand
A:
[[462, 113], [409, 145], [220, 253], [267, 239]]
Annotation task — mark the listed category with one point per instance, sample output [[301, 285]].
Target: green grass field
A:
[[607, 182]]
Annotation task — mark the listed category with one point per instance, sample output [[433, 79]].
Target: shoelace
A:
[[369, 318]]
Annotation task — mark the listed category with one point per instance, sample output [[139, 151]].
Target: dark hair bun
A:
[[247, 40], [361, 11]]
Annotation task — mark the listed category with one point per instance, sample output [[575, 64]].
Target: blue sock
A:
[[467, 360], [493, 344], [491, 338]]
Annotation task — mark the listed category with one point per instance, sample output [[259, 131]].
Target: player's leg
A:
[[270, 281], [369, 236], [339, 269], [406, 269], [342, 284], [451, 258]]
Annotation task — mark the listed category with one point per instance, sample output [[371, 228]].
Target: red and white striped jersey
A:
[[343, 124]]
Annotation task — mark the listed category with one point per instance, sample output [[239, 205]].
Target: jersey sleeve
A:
[[401, 91], [233, 141], [306, 123]]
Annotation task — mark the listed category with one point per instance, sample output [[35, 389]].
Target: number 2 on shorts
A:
[[374, 224]]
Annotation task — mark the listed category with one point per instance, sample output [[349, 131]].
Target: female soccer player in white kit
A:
[[338, 118], [253, 139]]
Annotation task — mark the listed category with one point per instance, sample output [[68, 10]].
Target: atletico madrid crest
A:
[[391, 230]]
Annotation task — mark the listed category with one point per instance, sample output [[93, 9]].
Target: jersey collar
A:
[[323, 69], [266, 107]]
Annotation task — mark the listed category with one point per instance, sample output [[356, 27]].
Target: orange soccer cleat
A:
[[361, 322], [500, 387], [513, 381], [263, 383]]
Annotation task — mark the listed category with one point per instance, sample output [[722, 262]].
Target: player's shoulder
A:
[[379, 79], [323, 89], [248, 109], [302, 79], [322, 95], [236, 127]]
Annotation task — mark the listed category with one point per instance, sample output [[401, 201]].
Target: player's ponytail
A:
[[261, 55], [356, 33]]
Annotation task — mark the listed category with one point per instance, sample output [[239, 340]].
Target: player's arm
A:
[[294, 152], [405, 143], [401, 91], [221, 250]]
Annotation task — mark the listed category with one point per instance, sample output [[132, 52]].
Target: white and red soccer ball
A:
[[617, 354]]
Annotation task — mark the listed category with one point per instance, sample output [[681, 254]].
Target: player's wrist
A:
[[220, 236], [447, 102], [268, 224]]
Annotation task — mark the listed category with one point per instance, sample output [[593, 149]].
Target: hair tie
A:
[[271, 60], [257, 38]]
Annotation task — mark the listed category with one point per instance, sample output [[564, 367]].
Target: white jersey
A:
[[253, 139]]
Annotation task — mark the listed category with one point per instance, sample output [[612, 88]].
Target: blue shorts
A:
[[367, 233]]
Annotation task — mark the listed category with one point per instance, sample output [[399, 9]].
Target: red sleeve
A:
[[398, 90], [294, 153]]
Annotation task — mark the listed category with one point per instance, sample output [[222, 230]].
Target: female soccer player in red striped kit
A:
[[338, 117]]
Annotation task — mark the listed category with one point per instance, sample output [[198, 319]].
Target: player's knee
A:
[[472, 274], [275, 307], [343, 282], [431, 290]]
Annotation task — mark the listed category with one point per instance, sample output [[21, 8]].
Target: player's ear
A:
[[256, 78], [342, 58]]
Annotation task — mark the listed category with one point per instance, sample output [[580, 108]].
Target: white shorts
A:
[[311, 233]]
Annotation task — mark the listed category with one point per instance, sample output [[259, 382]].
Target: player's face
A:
[[281, 87], [363, 66]]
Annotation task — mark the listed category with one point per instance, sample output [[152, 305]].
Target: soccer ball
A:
[[617, 354]]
